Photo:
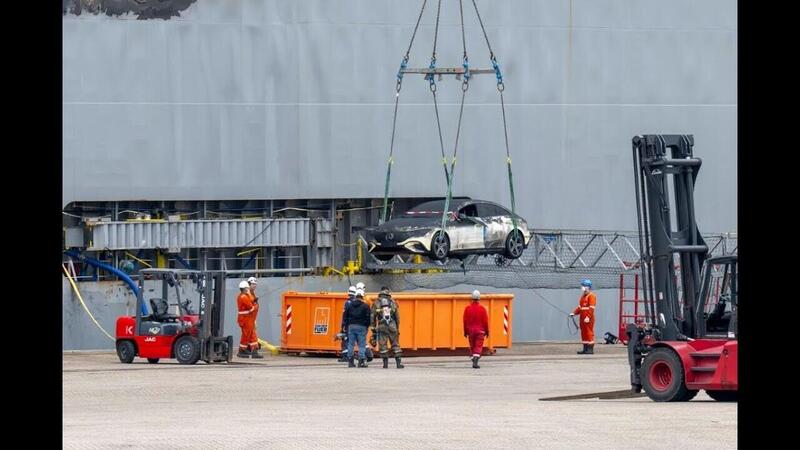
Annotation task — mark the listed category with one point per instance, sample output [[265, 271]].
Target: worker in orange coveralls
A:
[[476, 327], [253, 283], [586, 310], [248, 345]]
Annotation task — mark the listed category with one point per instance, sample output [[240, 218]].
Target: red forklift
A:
[[189, 335], [681, 346]]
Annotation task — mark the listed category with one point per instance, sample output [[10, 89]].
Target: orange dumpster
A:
[[428, 321]]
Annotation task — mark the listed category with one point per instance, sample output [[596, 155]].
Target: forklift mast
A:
[[665, 172], [214, 345], [212, 304]]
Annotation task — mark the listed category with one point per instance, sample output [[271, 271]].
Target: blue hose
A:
[[252, 258], [101, 265], [183, 261]]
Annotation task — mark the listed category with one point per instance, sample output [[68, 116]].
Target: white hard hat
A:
[[476, 294], [252, 280], [361, 286], [359, 292], [244, 285], [351, 290]]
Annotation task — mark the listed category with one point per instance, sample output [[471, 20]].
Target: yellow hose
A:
[[143, 262], [274, 350], [72, 282]]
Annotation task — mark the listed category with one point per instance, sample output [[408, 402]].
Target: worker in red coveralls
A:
[[586, 310], [476, 327]]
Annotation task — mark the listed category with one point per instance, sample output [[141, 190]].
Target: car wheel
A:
[[515, 244], [126, 351], [187, 350], [440, 246]]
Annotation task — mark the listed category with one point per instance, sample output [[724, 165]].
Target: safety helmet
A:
[[252, 280], [361, 286], [244, 285], [127, 266], [587, 282], [351, 290], [476, 294], [384, 293], [359, 292]]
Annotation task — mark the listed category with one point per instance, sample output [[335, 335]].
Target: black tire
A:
[[153, 360], [440, 246], [187, 349], [502, 261], [126, 351], [230, 348], [514, 245], [663, 378], [724, 396]]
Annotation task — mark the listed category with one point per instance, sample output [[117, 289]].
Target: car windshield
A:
[[432, 208]]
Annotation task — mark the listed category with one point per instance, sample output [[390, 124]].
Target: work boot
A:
[[397, 360], [343, 358], [350, 362], [256, 355], [590, 349], [385, 363], [475, 362], [243, 353], [584, 351], [362, 363]]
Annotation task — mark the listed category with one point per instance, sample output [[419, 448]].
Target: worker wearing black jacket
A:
[[356, 321]]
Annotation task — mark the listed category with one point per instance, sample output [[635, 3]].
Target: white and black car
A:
[[473, 227]]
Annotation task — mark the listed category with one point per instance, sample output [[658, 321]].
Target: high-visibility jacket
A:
[[586, 308], [247, 309]]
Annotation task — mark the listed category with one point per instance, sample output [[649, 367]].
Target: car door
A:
[[467, 231], [496, 221]]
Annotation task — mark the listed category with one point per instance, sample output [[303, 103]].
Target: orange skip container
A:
[[428, 321]]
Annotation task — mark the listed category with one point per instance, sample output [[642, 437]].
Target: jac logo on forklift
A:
[[150, 339], [154, 330]]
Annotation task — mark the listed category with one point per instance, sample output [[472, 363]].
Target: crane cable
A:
[[439, 238], [432, 85], [398, 86], [500, 88]]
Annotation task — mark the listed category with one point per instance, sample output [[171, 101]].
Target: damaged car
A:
[[473, 227]]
